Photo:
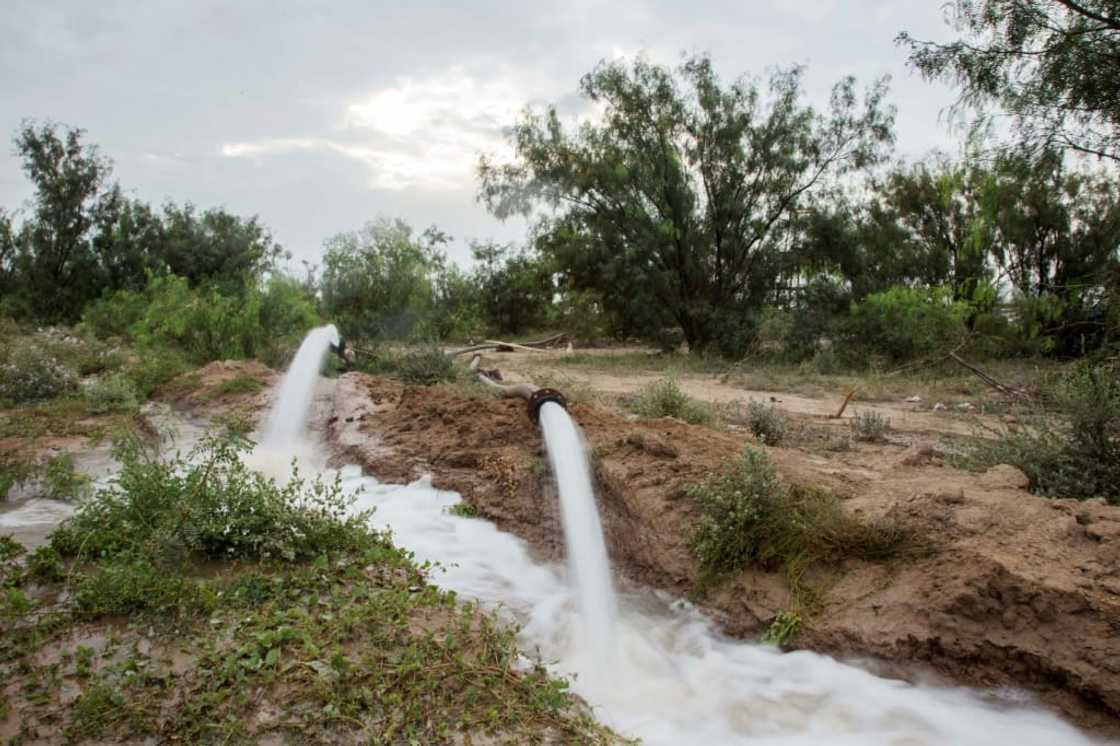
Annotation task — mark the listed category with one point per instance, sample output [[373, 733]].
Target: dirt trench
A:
[[1012, 590]]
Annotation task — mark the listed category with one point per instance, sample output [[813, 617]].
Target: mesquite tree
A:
[[1054, 65], [678, 193]]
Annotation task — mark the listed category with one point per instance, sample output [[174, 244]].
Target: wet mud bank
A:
[[1012, 591]]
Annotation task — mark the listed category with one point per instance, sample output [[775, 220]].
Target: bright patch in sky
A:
[[425, 133]]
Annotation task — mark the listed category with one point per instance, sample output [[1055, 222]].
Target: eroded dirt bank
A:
[[1013, 590]]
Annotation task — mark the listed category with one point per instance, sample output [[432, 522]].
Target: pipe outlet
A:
[[538, 399]]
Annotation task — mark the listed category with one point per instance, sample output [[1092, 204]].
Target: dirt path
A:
[[905, 417], [1013, 590]]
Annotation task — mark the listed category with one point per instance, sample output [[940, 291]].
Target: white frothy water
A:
[[675, 679], [583, 535], [288, 418]]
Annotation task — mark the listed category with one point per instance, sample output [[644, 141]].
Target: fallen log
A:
[[987, 378]]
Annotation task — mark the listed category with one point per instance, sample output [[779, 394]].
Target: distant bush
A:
[[751, 518], [30, 373], [870, 427], [766, 422], [113, 394], [205, 323], [664, 398], [1071, 449], [904, 324], [155, 367], [426, 366]]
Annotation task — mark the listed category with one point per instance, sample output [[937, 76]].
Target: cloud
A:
[[419, 132]]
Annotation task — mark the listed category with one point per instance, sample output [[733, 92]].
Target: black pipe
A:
[[538, 399]]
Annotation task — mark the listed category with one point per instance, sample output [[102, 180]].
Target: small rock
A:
[[1004, 476], [938, 407], [913, 399], [965, 406]]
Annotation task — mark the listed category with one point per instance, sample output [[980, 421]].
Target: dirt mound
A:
[[237, 387], [1014, 589]]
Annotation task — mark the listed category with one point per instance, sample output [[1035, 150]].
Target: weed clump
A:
[[752, 518], [766, 422], [426, 366], [242, 384], [114, 394], [870, 427], [1072, 448], [664, 398], [32, 374]]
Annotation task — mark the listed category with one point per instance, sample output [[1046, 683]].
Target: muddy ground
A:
[[1008, 589]]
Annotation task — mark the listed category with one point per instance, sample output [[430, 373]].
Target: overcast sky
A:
[[318, 116]]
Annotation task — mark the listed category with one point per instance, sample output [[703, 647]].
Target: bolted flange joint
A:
[[538, 399]]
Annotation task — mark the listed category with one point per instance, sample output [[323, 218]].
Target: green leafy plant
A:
[[870, 427], [1070, 448], [749, 517], [111, 395], [61, 479], [30, 373], [664, 398], [767, 423], [782, 629], [426, 366]]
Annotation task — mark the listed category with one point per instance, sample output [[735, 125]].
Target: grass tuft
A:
[[664, 398]]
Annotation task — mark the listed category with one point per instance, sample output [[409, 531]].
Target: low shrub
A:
[[664, 398], [766, 422], [1070, 448], [426, 366], [61, 480], [243, 384], [751, 518], [111, 395], [209, 505], [154, 368], [903, 324], [30, 374], [126, 584], [870, 427]]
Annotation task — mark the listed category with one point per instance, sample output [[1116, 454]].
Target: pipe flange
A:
[[538, 399]]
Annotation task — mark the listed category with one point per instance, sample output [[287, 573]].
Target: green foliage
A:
[[32, 373], [1050, 64], [14, 471], [61, 480], [377, 282], [670, 205], [784, 627], [464, 510], [515, 288], [767, 423], [1069, 450], [242, 384], [127, 584], [870, 427], [208, 506], [111, 395], [664, 398], [154, 367], [426, 366], [751, 518], [904, 324], [45, 565]]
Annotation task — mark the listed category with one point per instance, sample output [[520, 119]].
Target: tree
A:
[[515, 287], [1054, 65], [52, 252], [216, 247], [683, 184], [377, 281]]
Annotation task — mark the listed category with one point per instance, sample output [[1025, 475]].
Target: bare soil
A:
[[1010, 589]]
